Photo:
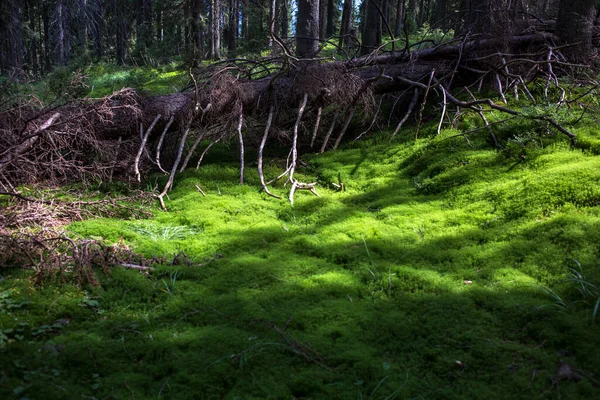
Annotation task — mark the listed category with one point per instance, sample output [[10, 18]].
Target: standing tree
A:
[[215, 29], [284, 18], [346, 24], [11, 35], [197, 31], [307, 28], [371, 35], [575, 26], [120, 22], [232, 29], [399, 18]]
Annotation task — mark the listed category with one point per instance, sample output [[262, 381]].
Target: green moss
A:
[[438, 251]]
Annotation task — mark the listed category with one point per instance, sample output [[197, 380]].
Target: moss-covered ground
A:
[[446, 270]]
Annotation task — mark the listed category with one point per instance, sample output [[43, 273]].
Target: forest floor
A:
[[445, 270]]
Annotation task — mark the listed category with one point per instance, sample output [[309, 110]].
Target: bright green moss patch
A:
[[445, 270]]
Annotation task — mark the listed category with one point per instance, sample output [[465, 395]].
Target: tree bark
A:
[[574, 26], [346, 24], [62, 34], [197, 31], [11, 40], [285, 21], [371, 37], [440, 14], [322, 18], [120, 13], [215, 12], [398, 28], [233, 26], [307, 28]]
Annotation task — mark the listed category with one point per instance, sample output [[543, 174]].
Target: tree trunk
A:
[[234, 22], [285, 19], [307, 28], [244, 18], [440, 14], [12, 48], [33, 57], [486, 18], [322, 18], [272, 18], [120, 15], [215, 46], [575, 26], [371, 37], [97, 29], [345, 40], [62, 34], [159, 26], [385, 9], [83, 27], [332, 18], [398, 28], [46, 19], [197, 32]]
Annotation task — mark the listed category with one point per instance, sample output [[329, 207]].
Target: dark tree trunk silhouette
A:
[[120, 20], [322, 19], [371, 35], [399, 26], [575, 26], [233, 26], [332, 18], [345, 40], [285, 21], [215, 29], [307, 28], [197, 31]]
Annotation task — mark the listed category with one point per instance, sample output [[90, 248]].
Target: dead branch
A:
[[143, 147], [173, 170], [261, 148], [344, 127], [316, 128], [241, 140], [427, 88], [12, 154], [160, 143], [329, 132], [191, 152], [411, 107]]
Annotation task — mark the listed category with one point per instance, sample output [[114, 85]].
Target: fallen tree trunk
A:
[[337, 89]]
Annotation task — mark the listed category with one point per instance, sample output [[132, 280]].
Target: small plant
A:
[[7, 304], [588, 292], [167, 233], [169, 287]]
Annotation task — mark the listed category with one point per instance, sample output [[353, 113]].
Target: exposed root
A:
[[349, 117], [160, 143], [241, 140], [316, 128], [261, 148], [173, 170], [411, 107], [329, 132], [136, 162], [191, 152]]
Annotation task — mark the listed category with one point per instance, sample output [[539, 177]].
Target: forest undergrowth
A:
[[445, 269]]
